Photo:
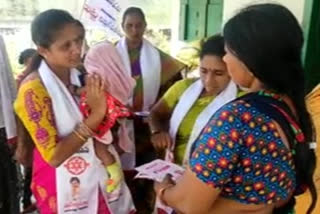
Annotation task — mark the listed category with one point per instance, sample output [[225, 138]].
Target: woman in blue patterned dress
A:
[[254, 154]]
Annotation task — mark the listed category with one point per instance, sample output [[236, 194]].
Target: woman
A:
[[9, 201], [253, 155], [63, 138], [154, 72], [180, 115]]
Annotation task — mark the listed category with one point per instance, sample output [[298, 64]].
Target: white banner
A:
[[103, 14]]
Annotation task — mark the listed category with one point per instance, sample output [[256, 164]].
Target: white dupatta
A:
[[7, 93], [150, 69], [84, 165], [188, 98]]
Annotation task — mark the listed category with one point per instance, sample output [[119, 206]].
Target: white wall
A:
[[232, 6], [72, 6], [175, 44]]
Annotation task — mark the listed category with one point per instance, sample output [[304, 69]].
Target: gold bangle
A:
[[83, 130], [87, 128], [79, 136]]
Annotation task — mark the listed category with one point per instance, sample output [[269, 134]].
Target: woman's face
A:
[[213, 74], [75, 184], [134, 27], [238, 71], [65, 51]]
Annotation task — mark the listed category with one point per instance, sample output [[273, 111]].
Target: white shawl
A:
[[188, 98], [7, 93], [150, 69], [151, 76]]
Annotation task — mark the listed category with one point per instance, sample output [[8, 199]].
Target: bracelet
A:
[[161, 194], [84, 130], [79, 135], [91, 133]]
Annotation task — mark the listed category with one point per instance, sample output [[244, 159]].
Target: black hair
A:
[[26, 54], [214, 45], [267, 38], [72, 179], [133, 11], [44, 29], [81, 26]]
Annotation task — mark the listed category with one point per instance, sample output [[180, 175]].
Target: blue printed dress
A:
[[241, 152]]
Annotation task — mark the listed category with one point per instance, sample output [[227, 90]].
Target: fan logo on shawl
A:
[[76, 165]]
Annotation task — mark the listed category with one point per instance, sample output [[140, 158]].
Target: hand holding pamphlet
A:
[[158, 169]]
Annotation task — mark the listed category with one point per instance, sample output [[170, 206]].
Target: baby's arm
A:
[[103, 153], [112, 167]]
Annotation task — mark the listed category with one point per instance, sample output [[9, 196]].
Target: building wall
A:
[[230, 8]]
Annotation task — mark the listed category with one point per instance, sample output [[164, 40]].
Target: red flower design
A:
[[210, 165], [272, 146], [267, 168], [271, 195], [223, 162], [234, 134], [238, 179], [212, 142], [228, 189], [276, 171], [258, 186], [246, 162], [249, 140], [257, 166], [224, 115], [223, 137], [282, 176], [253, 199], [272, 126], [198, 167], [246, 116]]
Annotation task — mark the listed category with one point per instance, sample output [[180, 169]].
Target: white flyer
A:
[[158, 169]]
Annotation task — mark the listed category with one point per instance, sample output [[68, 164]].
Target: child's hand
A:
[[115, 176], [95, 94]]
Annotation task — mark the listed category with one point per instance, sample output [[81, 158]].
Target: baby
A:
[[104, 60], [103, 137]]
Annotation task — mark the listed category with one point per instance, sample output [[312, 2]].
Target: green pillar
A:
[[311, 52]]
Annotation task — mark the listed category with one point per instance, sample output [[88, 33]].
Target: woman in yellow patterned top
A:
[[63, 145], [313, 104], [179, 116]]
